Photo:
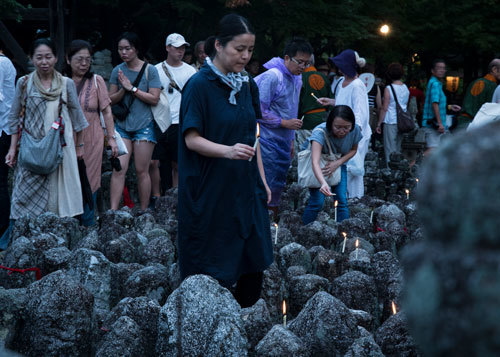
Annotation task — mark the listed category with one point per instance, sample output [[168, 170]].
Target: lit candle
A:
[[335, 204], [345, 240], [314, 96], [357, 245], [407, 194], [371, 217], [394, 311], [284, 314], [257, 136], [276, 234]]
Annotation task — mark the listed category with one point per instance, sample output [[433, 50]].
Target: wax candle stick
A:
[[345, 240], [371, 217], [407, 191], [257, 136], [276, 234], [314, 96], [335, 204], [302, 117], [284, 314], [357, 245]]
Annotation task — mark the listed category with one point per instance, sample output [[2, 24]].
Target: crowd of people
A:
[[232, 135]]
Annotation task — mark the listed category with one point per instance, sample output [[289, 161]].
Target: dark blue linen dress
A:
[[223, 219]]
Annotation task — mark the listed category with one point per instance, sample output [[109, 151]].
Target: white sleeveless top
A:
[[403, 94]]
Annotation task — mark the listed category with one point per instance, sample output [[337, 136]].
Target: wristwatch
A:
[[134, 90]]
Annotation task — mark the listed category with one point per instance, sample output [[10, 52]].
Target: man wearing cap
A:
[[279, 89], [174, 74]]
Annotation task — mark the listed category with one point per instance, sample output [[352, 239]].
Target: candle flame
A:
[[416, 180], [258, 131], [407, 191], [336, 203], [284, 307], [357, 243], [344, 234], [276, 225], [394, 311]]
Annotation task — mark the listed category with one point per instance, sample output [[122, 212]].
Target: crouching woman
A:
[[344, 136]]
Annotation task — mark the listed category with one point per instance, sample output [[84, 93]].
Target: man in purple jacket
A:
[[279, 89]]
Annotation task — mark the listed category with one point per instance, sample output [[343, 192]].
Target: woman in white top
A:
[[351, 91], [392, 138]]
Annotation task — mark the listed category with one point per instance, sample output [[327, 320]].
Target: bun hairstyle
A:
[[229, 27], [74, 47], [360, 61], [341, 111]]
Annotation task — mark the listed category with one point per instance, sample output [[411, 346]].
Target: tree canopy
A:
[[461, 31]]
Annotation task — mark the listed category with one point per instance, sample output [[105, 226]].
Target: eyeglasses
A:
[[300, 62], [341, 127], [83, 60]]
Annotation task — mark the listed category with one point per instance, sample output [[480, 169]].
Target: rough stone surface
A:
[[151, 281], [295, 254], [201, 316], [93, 270], [302, 288], [280, 342], [55, 259], [120, 273], [144, 312], [90, 241], [58, 318], [390, 218], [355, 227], [325, 325], [12, 302], [257, 322], [328, 264], [273, 290], [364, 319], [388, 278], [159, 250], [394, 339], [123, 339], [316, 233], [364, 347], [357, 291]]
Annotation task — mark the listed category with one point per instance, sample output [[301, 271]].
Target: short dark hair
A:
[[133, 39], [297, 44], [43, 42], [229, 27], [395, 71], [74, 47], [342, 111], [494, 63], [436, 61]]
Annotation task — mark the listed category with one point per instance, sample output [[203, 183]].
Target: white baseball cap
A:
[[176, 40]]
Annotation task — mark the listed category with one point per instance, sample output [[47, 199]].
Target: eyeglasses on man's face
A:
[[300, 62]]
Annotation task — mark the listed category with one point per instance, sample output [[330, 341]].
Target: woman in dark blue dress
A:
[[223, 220]]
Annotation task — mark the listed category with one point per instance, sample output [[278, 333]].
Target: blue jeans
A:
[[88, 217], [316, 200], [5, 238]]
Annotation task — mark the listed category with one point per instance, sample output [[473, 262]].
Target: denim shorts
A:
[[145, 134]]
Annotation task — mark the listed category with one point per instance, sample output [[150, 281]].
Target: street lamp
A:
[[385, 29]]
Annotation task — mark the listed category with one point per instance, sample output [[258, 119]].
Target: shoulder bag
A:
[[161, 111], [122, 148], [305, 170], [121, 110], [405, 121], [42, 156]]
